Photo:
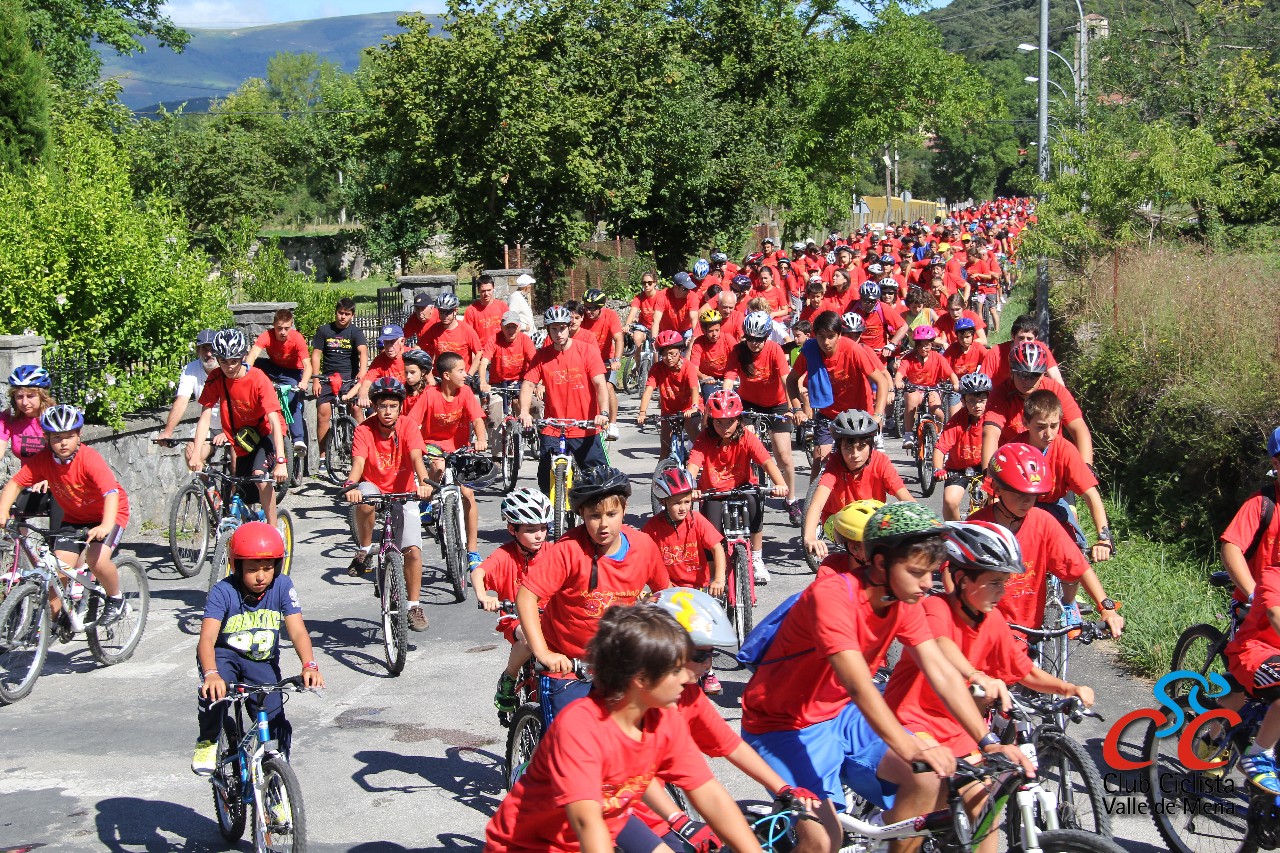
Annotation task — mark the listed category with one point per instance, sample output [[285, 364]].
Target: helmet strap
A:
[[968, 611], [864, 571]]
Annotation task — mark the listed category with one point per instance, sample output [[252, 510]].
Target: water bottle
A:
[[260, 514], [263, 734]]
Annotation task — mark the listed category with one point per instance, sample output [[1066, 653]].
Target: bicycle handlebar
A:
[[239, 692], [580, 668], [755, 490], [563, 423], [504, 606], [1089, 631]]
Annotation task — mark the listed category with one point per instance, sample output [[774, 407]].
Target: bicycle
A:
[[342, 430], [251, 773], [27, 625], [529, 721], [927, 428], [444, 514], [677, 455], [234, 512], [193, 514], [563, 466], [634, 367], [1049, 646], [388, 579], [1201, 648], [739, 583], [297, 455], [761, 423], [509, 439]]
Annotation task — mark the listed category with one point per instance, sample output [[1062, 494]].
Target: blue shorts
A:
[[826, 756], [822, 431]]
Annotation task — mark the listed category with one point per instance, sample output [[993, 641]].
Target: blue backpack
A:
[[756, 645]]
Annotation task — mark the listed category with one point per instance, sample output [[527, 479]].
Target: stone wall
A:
[[327, 258]]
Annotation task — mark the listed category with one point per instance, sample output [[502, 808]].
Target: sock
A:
[[412, 604], [117, 598], [367, 549]]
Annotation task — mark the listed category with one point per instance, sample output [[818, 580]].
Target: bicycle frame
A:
[[736, 527], [47, 570]]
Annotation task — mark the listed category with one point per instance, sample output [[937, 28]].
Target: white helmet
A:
[[757, 324], [526, 506], [699, 614]]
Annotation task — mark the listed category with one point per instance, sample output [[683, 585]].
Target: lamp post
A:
[[1051, 83], [1077, 80]]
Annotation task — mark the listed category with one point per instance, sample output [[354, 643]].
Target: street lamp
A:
[[1051, 83], [1075, 72]]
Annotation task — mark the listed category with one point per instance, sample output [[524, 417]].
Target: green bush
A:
[[621, 276]]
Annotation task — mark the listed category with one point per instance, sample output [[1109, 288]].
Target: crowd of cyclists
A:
[[839, 339]]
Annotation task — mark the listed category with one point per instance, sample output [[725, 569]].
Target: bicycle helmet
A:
[[30, 376], [61, 419], [924, 333], [229, 344], [831, 257], [710, 317], [1021, 468], [701, 269], [668, 339], [981, 546], [557, 315], [797, 247], [784, 260], [257, 540], [834, 236], [719, 258], [1273, 442], [683, 279], [594, 298], [387, 386], [671, 482], [1030, 357], [724, 404], [699, 614], [854, 423], [899, 523], [596, 482], [848, 249], [757, 324], [886, 260], [870, 290], [740, 282], [852, 323], [875, 269], [539, 338], [975, 383], [851, 522], [420, 357], [446, 302], [472, 467], [936, 261], [526, 506], [965, 324]]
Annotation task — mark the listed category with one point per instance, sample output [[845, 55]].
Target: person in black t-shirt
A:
[[338, 349]]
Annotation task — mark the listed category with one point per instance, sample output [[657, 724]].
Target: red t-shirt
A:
[[932, 371], [778, 298], [1004, 407], [767, 387], [80, 487], [647, 307], [946, 324], [505, 569], [461, 339], [447, 423], [243, 402], [677, 389], [711, 359], [382, 366], [603, 328], [961, 440], [509, 360], [1244, 526], [684, 548], [726, 466], [572, 612], [876, 481], [675, 315], [1070, 474], [996, 362], [485, 322], [991, 647], [882, 322], [964, 363], [567, 377], [850, 368], [413, 327], [388, 464], [1046, 548], [292, 352], [1257, 640], [585, 756], [796, 686]]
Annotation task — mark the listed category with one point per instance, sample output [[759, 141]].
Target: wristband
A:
[[348, 485], [969, 678], [989, 739], [212, 672], [311, 665]]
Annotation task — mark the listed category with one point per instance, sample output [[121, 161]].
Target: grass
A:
[[1019, 303]]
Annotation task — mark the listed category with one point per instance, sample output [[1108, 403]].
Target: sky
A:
[[248, 13]]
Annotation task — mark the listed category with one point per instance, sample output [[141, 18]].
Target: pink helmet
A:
[[724, 404], [670, 338], [924, 333]]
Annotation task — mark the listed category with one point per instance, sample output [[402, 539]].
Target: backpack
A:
[[756, 645], [1264, 522]]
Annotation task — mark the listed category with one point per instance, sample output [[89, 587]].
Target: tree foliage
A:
[[24, 93], [65, 32]]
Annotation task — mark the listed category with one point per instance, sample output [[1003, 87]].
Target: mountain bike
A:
[[235, 512], [1201, 648], [444, 513], [927, 428], [509, 440], [388, 578], [342, 430], [677, 455], [761, 424], [1049, 646], [739, 582], [563, 467], [32, 578], [252, 774], [529, 721], [297, 455], [970, 479], [635, 366], [193, 514]]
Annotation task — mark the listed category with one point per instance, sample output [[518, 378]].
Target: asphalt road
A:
[[97, 758]]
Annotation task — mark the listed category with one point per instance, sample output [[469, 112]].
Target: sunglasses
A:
[[701, 655], [752, 340]]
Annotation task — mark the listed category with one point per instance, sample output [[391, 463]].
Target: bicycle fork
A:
[[1031, 800]]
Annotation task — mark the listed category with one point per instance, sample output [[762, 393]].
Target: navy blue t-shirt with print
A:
[[252, 631]]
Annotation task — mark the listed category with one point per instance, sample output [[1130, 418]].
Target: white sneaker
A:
[[612, 434], [300, 444], [879, 441], [762, 574]]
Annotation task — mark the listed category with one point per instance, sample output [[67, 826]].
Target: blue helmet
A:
[[61, 419], [965, 324], [887, 260], [869, 290], [1273, 443], [30, 376], [701, 269]]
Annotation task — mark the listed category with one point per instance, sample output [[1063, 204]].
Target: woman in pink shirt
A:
[[20, 430]]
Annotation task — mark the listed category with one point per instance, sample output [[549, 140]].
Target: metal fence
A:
[[79, 379]]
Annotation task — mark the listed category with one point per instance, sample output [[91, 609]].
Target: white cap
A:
[[525, 280]]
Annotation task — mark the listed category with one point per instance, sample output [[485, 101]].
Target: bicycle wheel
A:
[[1067, 772], [511, 453], [220, 565], [1197, 811], [559, 502], [1199, 649], [645, 364], [297, 468], [455, 551], [228, 804], [115, 643], [740, 603], [1053, 651], [337, 447], [627, 365], [812, 561], [678, 797], [189, 530], [522, 740], [899, 414], [1076, 841], [284, 826], [24, 641], [924, 457], [395, 612], [284, 523]]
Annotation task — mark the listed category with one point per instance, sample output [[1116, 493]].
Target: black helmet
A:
[[387, 386], [594, 298], [421, 358], [596, 482]]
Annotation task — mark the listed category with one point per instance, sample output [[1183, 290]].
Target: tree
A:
[[24, 93]]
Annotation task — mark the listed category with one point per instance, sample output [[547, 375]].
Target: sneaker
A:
[[205, 761], [612, 434], [473, 560], [281, 817], [299, 444], [908, 443], [762, 574], [417, 618], [1260, 769], [711, 685], [111, 613], [359, 565], [879, 441], [505, 698], [1209, 749], [795, 512]]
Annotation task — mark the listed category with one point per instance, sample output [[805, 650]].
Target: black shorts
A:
[[714, 512], [70, 537], [776, 424], [1266, 681], [262, 459]]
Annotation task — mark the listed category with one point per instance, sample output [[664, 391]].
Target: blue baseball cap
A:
[[390, 333], [1273, 443], [205, 337], [683, 279]]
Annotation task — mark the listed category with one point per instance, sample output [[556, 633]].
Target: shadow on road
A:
[[447, 841], [472, 776], [132, 823]]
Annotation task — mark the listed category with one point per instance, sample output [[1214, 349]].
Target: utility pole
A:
[[1042, 155]]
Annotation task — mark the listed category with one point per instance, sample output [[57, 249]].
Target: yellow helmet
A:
[[710, 317], [849, 522]]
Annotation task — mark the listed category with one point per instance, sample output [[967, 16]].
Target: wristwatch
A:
[[989, 739], [1107, 604]]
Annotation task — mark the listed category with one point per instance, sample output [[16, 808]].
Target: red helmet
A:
[[669, 338], [1029, 357], [724, 404], [257, 540], [671, 482], [1021, 468]]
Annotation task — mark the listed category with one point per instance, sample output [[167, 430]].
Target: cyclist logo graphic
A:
[[1210, 686]]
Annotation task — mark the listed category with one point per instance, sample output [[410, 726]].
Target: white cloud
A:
[[223, 13]]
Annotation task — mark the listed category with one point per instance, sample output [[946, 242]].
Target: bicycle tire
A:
[[899, 414], [395, 612], [740, 605], [678, 796], [924, 457], [280, 787], [646, 361], [220, 565], [559, 502], [511, 453], [1053, 651], [284, 524], [337, 447], [228, 804], [24, 635], [455, 560], [1076, 841], [1063, 767], [522, 740], [1199, 649], [116, 643], [297, 468], [281, 489], [189, 529], [812, 561], [625, 365]]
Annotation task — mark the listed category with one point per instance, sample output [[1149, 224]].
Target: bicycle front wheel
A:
[[220, 565], [1076, 841], [522, 740], [924, 457], [284, 523], [337, 449], [228, 804], [455, 551], [395, 612], [740, 603], [511, 453], [24, 641], [284, 826], [115, 643], [811, 560], [189, 530], [1199, 649], [559, 501], [1067, 772], [1053, 651], [899, 414]]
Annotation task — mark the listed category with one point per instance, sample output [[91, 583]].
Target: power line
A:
[[1011, 40]]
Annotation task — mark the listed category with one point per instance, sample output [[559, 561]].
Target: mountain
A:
[[216, 62]]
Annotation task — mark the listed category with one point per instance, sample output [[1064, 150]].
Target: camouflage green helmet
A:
[[896, 523]]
